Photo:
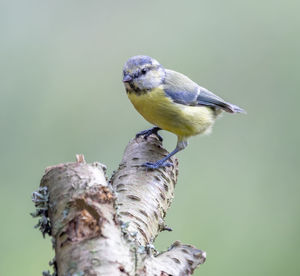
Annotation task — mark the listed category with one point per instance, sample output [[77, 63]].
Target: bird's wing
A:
[[184, 91]]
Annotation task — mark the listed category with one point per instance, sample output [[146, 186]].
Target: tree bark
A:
[[107, 227]]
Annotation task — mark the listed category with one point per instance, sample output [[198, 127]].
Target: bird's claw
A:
[[146, 133], [157, 165]]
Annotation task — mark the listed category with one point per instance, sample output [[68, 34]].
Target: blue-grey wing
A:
[[180, 88], [183, 90]]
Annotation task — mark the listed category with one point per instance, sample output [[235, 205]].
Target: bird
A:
[[171, 101]]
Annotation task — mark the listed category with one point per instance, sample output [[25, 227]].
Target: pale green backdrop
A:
[[238, 194]]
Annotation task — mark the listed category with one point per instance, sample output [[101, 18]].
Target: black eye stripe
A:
[[142, 71]]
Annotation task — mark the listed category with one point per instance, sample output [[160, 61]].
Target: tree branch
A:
[[143, 196], [107, 228]]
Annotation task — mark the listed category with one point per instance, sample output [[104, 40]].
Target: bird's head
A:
[[142, 73]]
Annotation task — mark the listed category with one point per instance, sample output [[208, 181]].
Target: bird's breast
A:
[[160, 110]]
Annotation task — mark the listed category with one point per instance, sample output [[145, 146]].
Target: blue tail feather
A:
[[234, 108]]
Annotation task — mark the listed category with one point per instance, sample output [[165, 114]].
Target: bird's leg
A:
[[164, 161], [146, 133]]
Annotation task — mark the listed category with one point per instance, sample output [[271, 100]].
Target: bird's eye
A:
[[144, 71]]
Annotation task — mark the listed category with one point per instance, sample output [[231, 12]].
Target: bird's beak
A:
[[127, 78]]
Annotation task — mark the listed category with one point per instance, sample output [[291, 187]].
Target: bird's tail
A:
[[231, 108]]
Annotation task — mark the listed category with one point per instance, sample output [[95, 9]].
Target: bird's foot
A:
[[157, 165], [146, 133]]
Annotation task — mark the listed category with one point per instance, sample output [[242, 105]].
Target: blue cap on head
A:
[[137, 61]]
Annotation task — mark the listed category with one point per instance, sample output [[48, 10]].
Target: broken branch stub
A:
[[82, 215]]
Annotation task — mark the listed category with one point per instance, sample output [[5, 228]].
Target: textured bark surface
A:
[[102, 227], [87, 238], [143, 196]]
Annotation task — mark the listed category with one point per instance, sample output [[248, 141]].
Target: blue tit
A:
[[171, 101]]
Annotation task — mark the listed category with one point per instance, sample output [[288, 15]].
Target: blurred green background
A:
[[238, 195]]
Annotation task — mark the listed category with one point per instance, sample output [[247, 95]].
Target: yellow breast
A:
[[180, 119]]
